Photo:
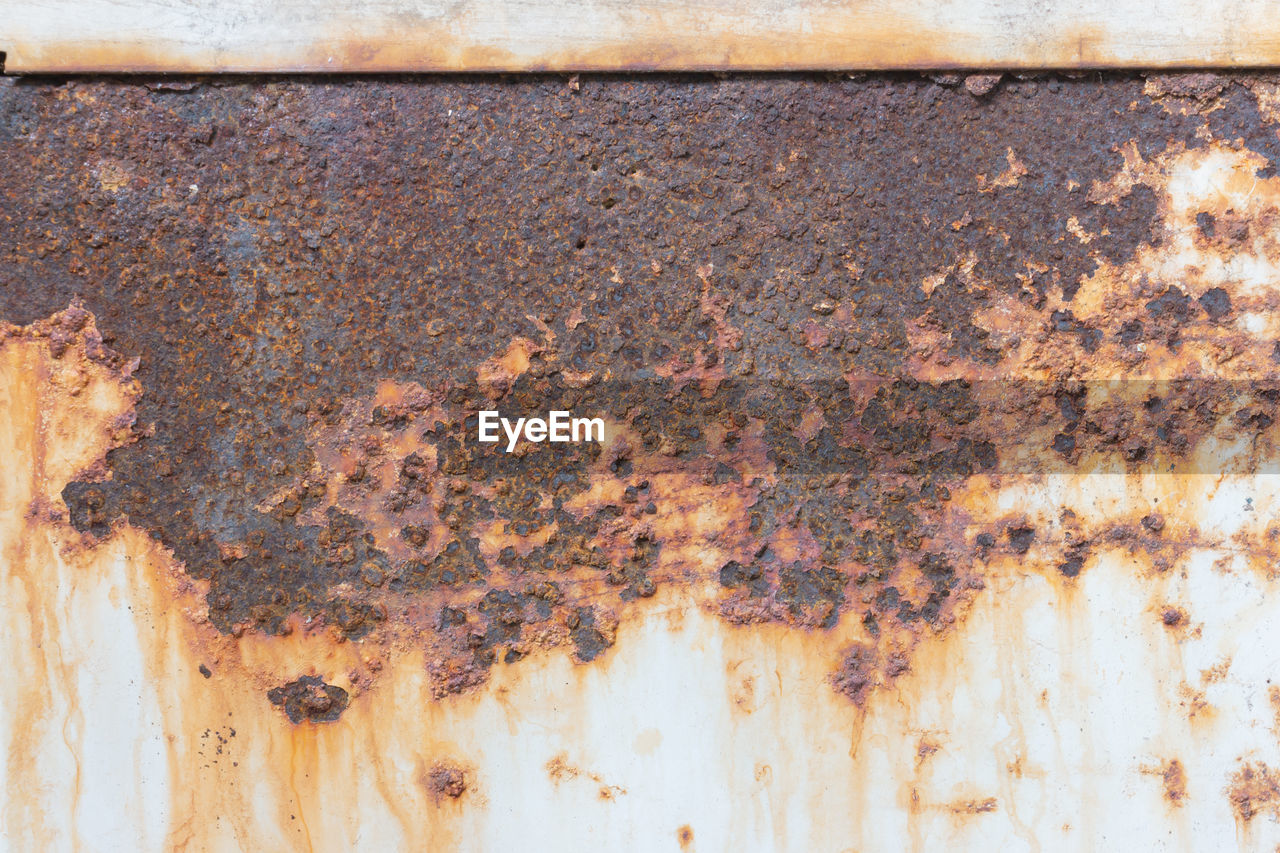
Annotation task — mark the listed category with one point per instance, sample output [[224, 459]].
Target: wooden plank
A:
[[60, 36]]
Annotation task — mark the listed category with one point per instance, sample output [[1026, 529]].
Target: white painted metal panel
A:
[[526, 35]]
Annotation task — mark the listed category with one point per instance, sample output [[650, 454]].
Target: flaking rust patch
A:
[[1161, 364], [1199, 300], [503, 369], [1253, 790], [1014, 171], [79, 395], [560, 770], [1266, 92], [1159, 371], [372, 460], [446, 780], [1186, 94], [70, 400], [794, 280], [697, 515], [457, 582], [824, 530], [501, 555], [479, 557]]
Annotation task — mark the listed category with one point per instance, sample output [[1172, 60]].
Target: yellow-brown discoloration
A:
[[560, 770], [972, 807], [657, 35], [66, 406]]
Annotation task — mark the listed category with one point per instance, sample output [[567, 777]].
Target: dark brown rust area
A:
[[309, 698], [274, 249], [446, 780]]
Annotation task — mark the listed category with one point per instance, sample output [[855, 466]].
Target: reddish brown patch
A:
[[925, 749], [983, 805], [1173, 617], [1175, 781], [868, 666], [502, 370], [446, 780], [1254, 788]]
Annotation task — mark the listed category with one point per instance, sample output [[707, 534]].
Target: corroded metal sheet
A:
[[203, 36], [934, 506]]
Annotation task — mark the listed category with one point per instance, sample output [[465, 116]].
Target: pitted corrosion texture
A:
[[325, 280]]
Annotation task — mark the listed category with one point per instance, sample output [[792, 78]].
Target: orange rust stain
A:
[[699, 523], [511, 364], [973, 807], [1014, 172], [1175, 782], [1195, 703], [926, 748], [1217, 672], [67, 407], [362, 448], [560, 770], [1253, 789]]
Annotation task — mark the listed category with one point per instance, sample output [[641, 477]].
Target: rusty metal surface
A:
[[278, 250], [814, 310]]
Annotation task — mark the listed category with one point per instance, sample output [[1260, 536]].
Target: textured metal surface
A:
[[277, 251], [832, 323]]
